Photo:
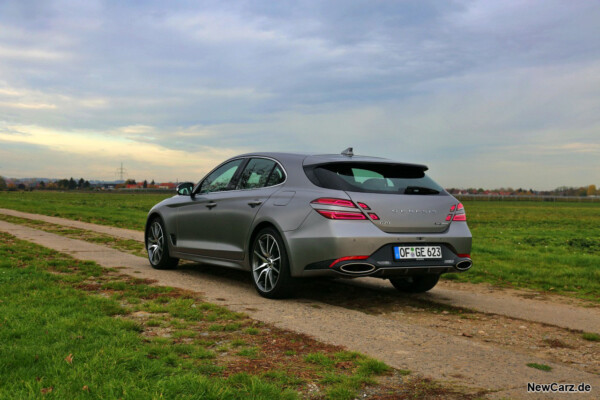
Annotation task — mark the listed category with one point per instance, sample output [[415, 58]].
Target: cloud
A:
[[453, 84], [94, 146]]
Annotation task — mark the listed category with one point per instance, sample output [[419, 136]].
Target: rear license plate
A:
[[417, 252]]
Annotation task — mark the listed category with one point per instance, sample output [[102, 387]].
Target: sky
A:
[[486, 93]]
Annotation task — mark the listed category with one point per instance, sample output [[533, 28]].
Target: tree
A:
[[72, 184], [42, 185], [130, 182], [80, 183], [2, 183], [591, 191], [86, 184], [145, 185], [152, 183]]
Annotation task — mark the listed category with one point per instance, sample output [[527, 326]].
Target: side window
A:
[[277, 176], [220, 178], [256, 173]]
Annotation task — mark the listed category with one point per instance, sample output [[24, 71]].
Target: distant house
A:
[[139, 185], [167, 185]]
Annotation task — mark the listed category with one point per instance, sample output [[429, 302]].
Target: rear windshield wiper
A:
[[420, 190]]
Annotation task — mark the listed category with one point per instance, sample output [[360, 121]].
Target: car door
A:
[[195, 235], [234, 214]]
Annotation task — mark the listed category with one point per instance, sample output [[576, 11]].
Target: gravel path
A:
[[108, 230], [401, 345]]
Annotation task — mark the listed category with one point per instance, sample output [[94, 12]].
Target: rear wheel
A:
[[270, 265], [158, 249], [416, 283]]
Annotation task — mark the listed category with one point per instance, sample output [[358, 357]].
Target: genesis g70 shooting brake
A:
[[283, 216]]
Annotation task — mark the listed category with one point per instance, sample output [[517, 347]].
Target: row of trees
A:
[[581, 191], [61, 184]]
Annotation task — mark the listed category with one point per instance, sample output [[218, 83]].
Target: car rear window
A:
[[373, 178]]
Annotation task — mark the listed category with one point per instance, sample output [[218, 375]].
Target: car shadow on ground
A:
[[356, 294]]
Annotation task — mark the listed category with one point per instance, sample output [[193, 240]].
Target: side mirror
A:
[[185, 188]]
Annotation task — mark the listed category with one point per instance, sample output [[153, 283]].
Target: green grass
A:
[[124, 210], [592, 337], [541, 367], [68, 331], [553, 247]]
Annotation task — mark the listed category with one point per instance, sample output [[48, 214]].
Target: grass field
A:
[[106, 335], [546, 246]]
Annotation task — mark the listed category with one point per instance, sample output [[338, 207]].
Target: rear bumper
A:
[[319, 242]]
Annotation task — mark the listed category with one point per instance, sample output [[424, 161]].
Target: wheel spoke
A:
[[262, 249], [271, 278], [260, 256], [264, 271], [271, 249], [261, 266]]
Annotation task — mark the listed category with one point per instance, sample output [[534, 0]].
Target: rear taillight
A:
[[342, 214], [374, 216], [460, 213], [334, 202], [333, 214], [363, 206]]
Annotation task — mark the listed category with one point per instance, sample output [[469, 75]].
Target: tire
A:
[[270, 265], [158, 248], [416, 283]]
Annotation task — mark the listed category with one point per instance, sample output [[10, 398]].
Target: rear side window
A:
[[373, 178], [260, 172]]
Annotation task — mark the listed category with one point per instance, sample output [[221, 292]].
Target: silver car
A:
[[285, 216]]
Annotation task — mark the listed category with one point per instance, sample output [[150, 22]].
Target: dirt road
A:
[[395, 335]]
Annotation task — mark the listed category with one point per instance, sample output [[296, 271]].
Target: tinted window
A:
[[256, 173], [220, 178], [277, 176], [373, 178]]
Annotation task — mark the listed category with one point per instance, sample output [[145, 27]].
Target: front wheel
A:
[[270, 265], [158, 249], [416, 283]]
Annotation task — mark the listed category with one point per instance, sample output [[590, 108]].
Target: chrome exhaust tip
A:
[[357, 269], [464, 265]]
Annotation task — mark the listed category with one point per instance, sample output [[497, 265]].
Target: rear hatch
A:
[[407, 213], [401, 195]]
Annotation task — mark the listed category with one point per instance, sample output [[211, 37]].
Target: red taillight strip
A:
[[460, 207], [348, 259], [460, 217], [342, 215], [374, 216], [334, 202], [464, 255], [363, 206]]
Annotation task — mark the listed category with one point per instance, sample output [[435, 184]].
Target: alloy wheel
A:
[[266, 263], [156, 243]]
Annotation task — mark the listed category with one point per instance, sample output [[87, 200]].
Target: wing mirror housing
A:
[[185, 189]]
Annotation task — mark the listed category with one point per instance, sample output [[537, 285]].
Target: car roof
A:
[[314, 159]]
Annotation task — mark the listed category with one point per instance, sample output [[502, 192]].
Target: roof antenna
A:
[[348, 152]]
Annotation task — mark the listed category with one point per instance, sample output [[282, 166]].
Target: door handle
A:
[[254, 203], [211, 205]]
